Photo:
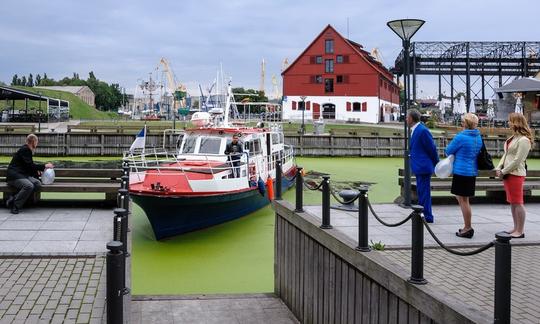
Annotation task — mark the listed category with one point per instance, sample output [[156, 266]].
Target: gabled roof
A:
[[358, 48], [521, 85]]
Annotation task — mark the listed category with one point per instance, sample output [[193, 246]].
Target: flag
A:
[[139, 141]]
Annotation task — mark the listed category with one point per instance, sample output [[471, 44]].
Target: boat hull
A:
[[174, 215]]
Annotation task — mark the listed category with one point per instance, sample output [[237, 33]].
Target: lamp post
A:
[[303, 98], [405, 29]]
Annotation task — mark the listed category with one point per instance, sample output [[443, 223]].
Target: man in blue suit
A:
[[424, 157]]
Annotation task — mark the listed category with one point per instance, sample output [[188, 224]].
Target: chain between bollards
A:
[[326, 203], [299, 190], [363, 221], [503, 278], [278, 180], [417, 247], [115, 283]]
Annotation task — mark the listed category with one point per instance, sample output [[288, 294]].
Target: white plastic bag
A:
[[444, 168], [47, 177]]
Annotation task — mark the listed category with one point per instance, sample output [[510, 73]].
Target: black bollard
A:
[[123, 195], [115, 283], [363, 221], [125, 182], [326, 203], [503, 277], [417, 247], [299, 190], [120, 227], [278, 180]]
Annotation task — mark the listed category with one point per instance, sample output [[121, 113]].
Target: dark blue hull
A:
[[170, 216]]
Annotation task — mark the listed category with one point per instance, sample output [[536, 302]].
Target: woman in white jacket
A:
[[512, 169]]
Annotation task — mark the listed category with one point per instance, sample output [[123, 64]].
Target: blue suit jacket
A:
[[424, 155]]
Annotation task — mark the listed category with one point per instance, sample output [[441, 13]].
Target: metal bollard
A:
[[503, 277], [120, 227], [125, 182], [115, 283], [299, 190], [326, 203], [363, 221], [278, 180], [417, 247], [123, 195]]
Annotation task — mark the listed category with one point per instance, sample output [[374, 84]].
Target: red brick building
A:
[[341, 81]]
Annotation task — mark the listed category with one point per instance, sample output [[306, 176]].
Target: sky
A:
[[122, 41]]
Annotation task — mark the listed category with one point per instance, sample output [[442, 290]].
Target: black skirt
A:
[[463, 185]]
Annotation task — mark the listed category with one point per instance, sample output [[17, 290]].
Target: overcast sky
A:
[[122, 41]]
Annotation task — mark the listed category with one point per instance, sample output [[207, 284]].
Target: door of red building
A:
[[316, 111]]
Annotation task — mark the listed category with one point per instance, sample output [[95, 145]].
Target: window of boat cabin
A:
[[254, 146], [210, 145], [275, 138], [189, 144]]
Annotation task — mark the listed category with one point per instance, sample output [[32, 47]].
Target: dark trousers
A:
[[25, 187], [423, 190], [235, 164]]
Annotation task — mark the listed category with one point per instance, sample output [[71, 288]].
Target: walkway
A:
[[469, 279]]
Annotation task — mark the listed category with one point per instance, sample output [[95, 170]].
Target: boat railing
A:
[[161, 160]]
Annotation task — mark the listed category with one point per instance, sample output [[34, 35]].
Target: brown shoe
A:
[[466, 234]]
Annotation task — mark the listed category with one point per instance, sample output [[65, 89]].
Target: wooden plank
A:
[[287, 272], [392, 309], [80, 173], [383, 305], [366, 295], [277, 254], [309, 272], [424, 319], [374, 303], [358, 296], [331, 288], [300, 273], [326, 289], [320, 284], [337, 290], [345, 284], [403, 312], [351, 282], [414, 315]]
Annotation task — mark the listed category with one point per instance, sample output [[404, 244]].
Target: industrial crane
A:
[[178, 91]]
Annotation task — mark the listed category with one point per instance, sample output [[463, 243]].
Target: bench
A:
[[105, 181], [485, 182], [17, 128]]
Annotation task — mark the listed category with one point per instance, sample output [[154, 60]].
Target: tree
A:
[[30, 82], [23, 81], [38, 79], [15, 80]]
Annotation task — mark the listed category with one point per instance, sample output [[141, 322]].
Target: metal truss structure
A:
[[478, 65]]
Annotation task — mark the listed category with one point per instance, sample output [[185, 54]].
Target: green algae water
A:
[[237, 256]]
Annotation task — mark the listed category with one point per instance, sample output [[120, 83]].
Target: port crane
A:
[[177, 90]]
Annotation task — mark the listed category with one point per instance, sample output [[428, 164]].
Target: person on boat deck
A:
[[22, 174], [234, 150]]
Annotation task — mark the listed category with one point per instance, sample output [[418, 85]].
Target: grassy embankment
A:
[[78, 108]]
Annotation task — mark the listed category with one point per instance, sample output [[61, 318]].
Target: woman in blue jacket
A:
[[465, 147]]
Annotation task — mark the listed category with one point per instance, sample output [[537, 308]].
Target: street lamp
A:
[[303, 110], [405, 29]]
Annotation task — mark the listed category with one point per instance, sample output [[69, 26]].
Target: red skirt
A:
[[513, 185]]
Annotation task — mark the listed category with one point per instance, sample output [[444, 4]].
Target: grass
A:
[[78, 108]]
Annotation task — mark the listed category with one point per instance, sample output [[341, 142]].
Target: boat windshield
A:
[[189, 144], [210, 145]]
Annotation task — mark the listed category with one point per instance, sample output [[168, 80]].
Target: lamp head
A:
[[405, 28]]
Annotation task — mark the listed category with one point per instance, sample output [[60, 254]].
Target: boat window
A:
[[189, 144], [210, 145], [254, 146], [275, 138]]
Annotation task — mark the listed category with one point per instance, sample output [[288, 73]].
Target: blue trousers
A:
[[423, 190]]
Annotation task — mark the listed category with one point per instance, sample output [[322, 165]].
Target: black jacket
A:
[[22, 165], [234, 149]]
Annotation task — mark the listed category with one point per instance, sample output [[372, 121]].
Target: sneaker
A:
[[9, 201], [14, 210]]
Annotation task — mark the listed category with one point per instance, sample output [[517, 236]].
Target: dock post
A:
[[417, 247], [503, 278], [326, 203], [363, 221], [123, 195], [125, 182], [299, 190], [278, 180], [115, 283]]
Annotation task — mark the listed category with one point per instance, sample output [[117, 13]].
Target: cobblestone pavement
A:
[[52, 289], [471, 278], [252, 309]]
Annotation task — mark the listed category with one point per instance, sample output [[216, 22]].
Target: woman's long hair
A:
[[519, 126]]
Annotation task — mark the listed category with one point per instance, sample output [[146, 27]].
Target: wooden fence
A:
[[322, 279], [114, 144]]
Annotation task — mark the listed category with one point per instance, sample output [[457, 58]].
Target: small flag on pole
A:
[[140, 140]]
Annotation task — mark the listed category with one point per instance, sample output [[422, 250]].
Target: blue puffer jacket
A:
[[465, 147]]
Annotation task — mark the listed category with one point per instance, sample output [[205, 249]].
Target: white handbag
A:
[[444, 168]]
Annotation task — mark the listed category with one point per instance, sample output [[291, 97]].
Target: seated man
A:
[[234, 150], [22, 174]]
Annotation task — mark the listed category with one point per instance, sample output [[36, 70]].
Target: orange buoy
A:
[[270, 188]]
